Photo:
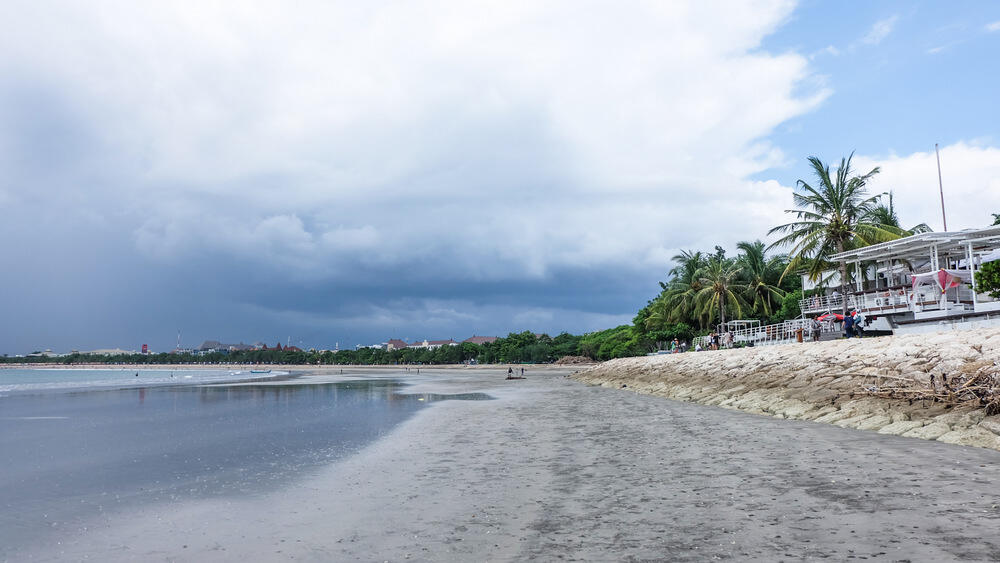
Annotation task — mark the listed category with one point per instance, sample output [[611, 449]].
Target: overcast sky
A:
[[357, 171]]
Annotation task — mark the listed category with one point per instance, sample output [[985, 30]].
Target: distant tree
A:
[[996, 218]]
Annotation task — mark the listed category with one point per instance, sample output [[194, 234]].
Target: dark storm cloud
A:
[[261, 174]]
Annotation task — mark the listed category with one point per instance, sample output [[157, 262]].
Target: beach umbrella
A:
[[828, 316]]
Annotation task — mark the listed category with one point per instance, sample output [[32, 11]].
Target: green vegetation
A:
[[988, 279], [705, 289], [523, 347]]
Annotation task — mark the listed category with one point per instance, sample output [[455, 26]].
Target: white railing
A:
[[894, 300], [781, 333]]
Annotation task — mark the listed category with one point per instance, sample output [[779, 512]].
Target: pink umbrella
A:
[[834, 316]]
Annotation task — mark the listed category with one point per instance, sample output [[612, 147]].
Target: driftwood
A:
[[980, 389]]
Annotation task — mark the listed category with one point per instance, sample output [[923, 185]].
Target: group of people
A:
[[854, 325], [715, 340]]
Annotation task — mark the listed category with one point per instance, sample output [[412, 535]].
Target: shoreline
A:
[[826, 382]]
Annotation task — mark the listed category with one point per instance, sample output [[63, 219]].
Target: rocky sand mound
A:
[[829, 382]]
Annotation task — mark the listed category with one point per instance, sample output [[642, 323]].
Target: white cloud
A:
[[880, 30], [991, 27], [970, 175], [828, 50], [486, 141]]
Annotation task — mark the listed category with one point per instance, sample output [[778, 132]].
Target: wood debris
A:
[[979, 389]]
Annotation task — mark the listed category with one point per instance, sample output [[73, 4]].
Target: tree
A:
[[988, 279], [885, 214], [721, 290], [678, 301], [761, 274], [996, 218], [834, 216]]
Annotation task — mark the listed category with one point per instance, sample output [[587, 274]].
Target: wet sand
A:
[[557, 470]]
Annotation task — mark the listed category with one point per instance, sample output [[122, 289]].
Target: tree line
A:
[[523, 347]]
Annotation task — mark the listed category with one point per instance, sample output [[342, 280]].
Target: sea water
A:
[[78, 447], [43, 379]]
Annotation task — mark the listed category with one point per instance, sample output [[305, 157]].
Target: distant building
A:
[[395, 344], [109, 352], [480, 340], [433, 344], [210, 346]]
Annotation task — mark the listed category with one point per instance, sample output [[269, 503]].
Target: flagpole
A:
[[941, 187]]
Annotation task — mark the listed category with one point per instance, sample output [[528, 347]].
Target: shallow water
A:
[[67, 458], [34, 380]]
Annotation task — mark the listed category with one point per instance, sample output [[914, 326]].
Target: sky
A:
[[344, 173]]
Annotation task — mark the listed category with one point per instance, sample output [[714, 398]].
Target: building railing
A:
[[892, 300], [780, 333]]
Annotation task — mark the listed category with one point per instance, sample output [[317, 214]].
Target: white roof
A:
[[918, 246]]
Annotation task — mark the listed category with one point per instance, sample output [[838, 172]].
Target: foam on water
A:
[[49, 379]]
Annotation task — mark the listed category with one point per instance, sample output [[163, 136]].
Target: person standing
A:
[[816, 330], [849, 326]]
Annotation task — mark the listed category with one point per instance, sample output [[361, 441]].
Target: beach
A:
[[552, 469]]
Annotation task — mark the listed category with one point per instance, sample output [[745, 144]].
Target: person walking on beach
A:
[[510, 373], [816, 330], [729, 339], [849, 326], [715, 340]]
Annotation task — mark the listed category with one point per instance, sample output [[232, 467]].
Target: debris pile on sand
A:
[[934, 386], [573, 360]]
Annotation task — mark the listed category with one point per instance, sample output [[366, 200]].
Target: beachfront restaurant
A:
[[920, 279]]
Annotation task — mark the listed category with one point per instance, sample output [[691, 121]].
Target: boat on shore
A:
[[260, 371]]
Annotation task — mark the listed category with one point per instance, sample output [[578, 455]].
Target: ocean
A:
[[14, 381], [79, 445]]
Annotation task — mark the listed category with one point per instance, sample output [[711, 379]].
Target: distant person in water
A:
[[510, 373], [522, 372]]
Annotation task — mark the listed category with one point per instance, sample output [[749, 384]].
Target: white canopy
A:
[[943, 279]]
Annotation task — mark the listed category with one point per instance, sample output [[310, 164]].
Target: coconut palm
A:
[[833, 216], [885, 214], [721, 289], [761, 274], [678, 300]]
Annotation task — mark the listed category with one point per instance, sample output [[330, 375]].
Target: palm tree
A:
[[885, 214], [833, 216], [678, 300], [761, 274], [721, 289]]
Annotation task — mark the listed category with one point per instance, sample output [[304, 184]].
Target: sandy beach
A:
[[553, 469]]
